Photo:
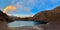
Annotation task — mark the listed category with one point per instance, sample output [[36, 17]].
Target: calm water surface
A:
[[25, 23]]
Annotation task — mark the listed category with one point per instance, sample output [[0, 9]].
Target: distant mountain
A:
[[14, 18]]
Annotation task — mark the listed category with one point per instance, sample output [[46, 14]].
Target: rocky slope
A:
[[4, 19], [49, 15]]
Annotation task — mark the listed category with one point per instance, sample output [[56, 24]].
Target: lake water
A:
[[25, 23]]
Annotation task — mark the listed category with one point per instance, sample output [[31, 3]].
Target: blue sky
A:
[[29, 7]]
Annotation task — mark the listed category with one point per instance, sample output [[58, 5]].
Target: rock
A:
[[3, 23], [4, 19], [52, 26]]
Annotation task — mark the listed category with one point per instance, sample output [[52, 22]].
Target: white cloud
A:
[[1, 8], [27, 5], [21, 5], [31, 1]]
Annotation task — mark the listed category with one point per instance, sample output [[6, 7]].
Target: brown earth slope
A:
[[50, 15]]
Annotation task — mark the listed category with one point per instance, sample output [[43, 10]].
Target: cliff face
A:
[[50, 15]]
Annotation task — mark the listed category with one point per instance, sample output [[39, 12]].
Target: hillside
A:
[[49, 15]]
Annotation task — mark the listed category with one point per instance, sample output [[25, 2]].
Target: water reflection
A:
[[25, 23]]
